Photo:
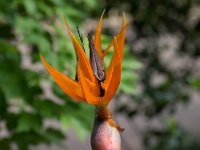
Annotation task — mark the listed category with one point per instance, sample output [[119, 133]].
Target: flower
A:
[[96, 84]]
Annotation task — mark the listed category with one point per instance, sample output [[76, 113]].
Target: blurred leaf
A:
[[6, 31], [90, 4], [80, 120], [33, 78], [5, 144], [3, 105], [195, 82], [28, 122], [68, 121], [25, 139], [131, 63], [127, 84], [172, 124], [12, 82], [30, 7], [48, 108], [53, 135], [38, 26]]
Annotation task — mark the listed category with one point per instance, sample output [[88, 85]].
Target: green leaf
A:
[[3, 105], [53, 135], [28, 122], [5, 144], [195, 82], [129, 62], [127, 84], [30, 7], [11, 121], [65, 121], [12, 79], [24, 139], [68, 121], [79, 128], [48, 108]]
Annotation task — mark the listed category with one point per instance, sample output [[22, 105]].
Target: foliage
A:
[[157, 26], [22, 22], [28, 28]]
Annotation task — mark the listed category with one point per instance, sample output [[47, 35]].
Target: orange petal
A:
[[120, 40], [90, 90], [82, 58], [97, 38], [69, 86], [113, 75], [121, 37]]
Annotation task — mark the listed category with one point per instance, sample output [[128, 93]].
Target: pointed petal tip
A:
[[42, 59], [126, 23], [66, 24], [82, 58], [115, 42], [124, 14], [68, 28], [40, 56], [115, 39], [97, 38], [64, 17], [103, 13], [124, 19], [100, 20]]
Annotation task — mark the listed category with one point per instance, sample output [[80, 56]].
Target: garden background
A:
[[158, 100]]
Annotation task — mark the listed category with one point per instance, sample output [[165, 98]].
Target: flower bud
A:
[[104, 136]]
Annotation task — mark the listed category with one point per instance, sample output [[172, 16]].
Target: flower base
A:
[[105, 136]]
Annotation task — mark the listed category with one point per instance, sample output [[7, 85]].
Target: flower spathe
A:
[[87, 88]]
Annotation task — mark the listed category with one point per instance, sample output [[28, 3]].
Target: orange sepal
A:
[[113, 75], [97, 38], [69, 86], [120, 40], [82, 58], [90, 89], [121, 37]]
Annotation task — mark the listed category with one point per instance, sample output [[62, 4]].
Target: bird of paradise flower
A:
[[95, 83]]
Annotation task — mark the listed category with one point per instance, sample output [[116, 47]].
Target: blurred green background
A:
[[161, 72]]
